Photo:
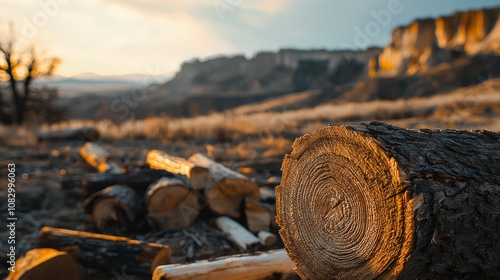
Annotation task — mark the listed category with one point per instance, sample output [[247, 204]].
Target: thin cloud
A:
[[168, 7]]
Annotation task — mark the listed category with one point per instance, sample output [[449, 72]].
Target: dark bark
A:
[[378, 201], [83, 134], [113, 209], [106, 251], [457, 173], [138, 180]]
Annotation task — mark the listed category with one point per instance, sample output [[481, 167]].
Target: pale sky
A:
[[111, 37]]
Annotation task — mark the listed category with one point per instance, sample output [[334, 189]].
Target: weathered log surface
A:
[[238, 234], [171, 204], [377, 201], [199, 177], [269, 265], [106, 251], [229, 188], [138, 180], [84, 134], [99, 158], [46, 264], [113, 209]]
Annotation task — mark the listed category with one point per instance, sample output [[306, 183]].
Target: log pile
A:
[[170, 194], [372, 200], [227, 192]]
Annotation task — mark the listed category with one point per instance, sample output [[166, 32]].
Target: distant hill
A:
[[90, 83]]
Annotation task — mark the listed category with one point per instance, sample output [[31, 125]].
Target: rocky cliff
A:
[[429, 42], [287, 70]]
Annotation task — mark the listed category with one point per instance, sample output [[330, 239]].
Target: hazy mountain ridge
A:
[[287, 70], [91, 83]]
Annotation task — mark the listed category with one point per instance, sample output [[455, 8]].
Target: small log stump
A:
[[258, 215], [229, 188], [113, 209], [46, 264], [171, 204], [106, 251], [372, 200]]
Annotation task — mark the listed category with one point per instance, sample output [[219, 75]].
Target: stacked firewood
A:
[[171, 194]]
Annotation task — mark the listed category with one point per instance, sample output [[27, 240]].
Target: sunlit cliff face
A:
[[426, 43]]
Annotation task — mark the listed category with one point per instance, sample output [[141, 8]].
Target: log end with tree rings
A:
[[342, 207], [226, 196], [171, 204]]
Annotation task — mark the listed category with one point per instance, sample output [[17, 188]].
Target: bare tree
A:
[[20, 68]]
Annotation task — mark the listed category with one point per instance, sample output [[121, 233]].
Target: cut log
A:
[[106, 251], [171, 204], [258, 215], [138, 180], [229, 188], [372, 201], [238, 234], [113, 209], [267, 239], [199, 177], [100, 159], [83, 134], [270, 265], [46, 264]]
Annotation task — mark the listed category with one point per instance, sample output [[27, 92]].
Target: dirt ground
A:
[[47, 190], [47, 194]]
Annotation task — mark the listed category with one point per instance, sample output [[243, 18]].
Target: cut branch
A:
[[106, 251], [269, 265], [99, 158], [199, 177], [238, 234], [377, 201], [267, 239]]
